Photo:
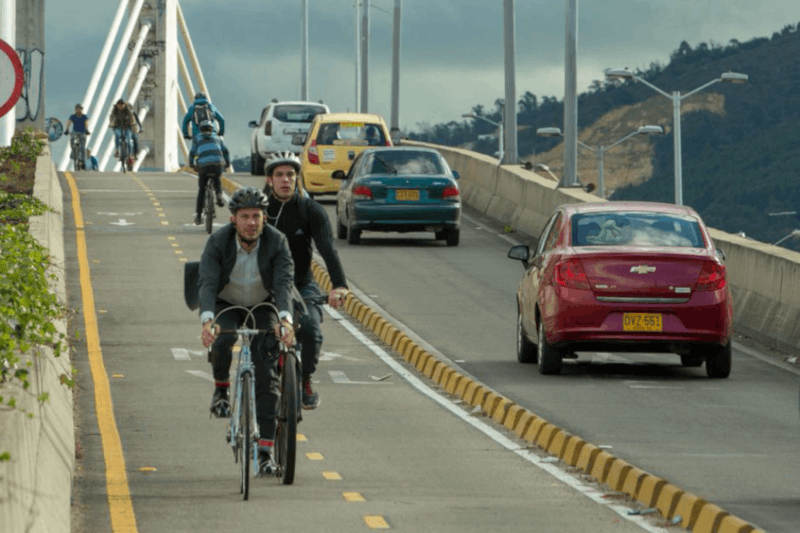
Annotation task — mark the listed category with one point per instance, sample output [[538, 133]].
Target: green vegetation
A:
[[27, 306], [737, 167]]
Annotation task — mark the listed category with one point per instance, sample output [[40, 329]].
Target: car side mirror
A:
[[252, 124], [456, 175], [339, 175], [720, 253], [520, 252], [299, 139]]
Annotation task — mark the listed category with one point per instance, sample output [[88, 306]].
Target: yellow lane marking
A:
[[301, 438], [120, 506], [375, 521], [164, 223], [117, 375], [353, 497], [148, 469], [102, 311], [183, 259], [175, 244], [171, 237], [332, 476], [178, 252], [314, 456]]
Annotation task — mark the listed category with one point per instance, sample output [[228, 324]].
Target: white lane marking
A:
[[122, 222], [201, 374], [330, 356], [340, 378], [481, 227], [180, 354], [606, 357], [138, 191], [501, 439], [758, 355], [668, 387], [110, 214]]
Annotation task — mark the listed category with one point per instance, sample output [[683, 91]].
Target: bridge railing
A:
[[764, 279]]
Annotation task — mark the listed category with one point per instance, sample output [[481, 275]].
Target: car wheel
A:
[[691, 360], [440, 235], [353, 235], [526, 350], [549, 356], [341, 229], [258, 165], [718, 364], [252, 164], [453, 236]]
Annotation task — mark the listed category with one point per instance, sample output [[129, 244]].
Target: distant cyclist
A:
[[123, 120], [78, 121], [304, 220], [245, 263], [210, 158], [200, 111]]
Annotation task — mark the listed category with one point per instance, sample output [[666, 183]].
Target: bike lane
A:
[[377, 454]]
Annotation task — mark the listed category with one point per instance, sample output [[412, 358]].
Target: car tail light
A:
[[268, 127], [388, 142], [362, 192], [711, 278], [570, 274], [450, 193], [313, 154]]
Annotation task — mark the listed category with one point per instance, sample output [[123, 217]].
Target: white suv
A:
[[279, 122]]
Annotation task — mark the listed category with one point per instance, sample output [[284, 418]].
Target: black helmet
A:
[[198, 96], [207, 126], [247, 197]]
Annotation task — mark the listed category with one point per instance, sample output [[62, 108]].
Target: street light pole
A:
[[304, 53], [601, 150], [676, 97], [510, 110], [394, 121], [498, 125]]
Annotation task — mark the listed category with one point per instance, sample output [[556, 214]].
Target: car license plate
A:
[[641, 322], [407, 195]]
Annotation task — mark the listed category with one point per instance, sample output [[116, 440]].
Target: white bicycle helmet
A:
[[281, 158]]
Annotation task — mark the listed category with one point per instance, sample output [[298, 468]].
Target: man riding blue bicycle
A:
[[245, 263], [77, 137], [209, 156]]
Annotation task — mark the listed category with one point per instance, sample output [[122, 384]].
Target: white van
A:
[[279, 122]]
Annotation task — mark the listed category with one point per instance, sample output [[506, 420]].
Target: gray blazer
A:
[[274, 263]]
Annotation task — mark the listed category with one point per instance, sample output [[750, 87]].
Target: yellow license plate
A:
[[407, 195], [641, 322]]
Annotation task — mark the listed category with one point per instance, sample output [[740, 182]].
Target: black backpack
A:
[[202, 113]]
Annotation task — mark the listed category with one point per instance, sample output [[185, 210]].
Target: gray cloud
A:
[[452, 50]]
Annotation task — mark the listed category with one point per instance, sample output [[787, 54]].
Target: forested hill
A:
[[738, 166]]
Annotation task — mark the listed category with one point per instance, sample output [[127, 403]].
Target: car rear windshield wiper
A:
[[389, 167]]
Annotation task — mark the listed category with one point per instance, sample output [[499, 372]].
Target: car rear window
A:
[[351, 134], [405, 162], [645, 229], [296, 113]]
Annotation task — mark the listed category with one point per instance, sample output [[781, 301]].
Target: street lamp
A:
[[498, 125], [676, 97], [794, 233], [601, 150]]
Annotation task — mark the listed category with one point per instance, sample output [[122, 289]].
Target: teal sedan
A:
[[399, 189]]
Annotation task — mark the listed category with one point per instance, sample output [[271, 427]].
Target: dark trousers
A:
[[310, 333], [263, 353], [203, 177]]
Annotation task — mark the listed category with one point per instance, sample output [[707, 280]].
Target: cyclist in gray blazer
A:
[[245, 263]]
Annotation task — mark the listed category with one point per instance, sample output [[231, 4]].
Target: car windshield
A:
[[636, 229], [405, 162], [296, 112], [351, 134]]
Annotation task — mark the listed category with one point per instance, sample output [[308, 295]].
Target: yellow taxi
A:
[[333, 141]]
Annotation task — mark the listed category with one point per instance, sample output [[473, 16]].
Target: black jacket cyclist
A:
[[303, 220]]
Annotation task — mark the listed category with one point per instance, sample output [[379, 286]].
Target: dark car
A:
[[399, 189], [624, 276]]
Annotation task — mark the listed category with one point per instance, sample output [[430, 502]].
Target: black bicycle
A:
[[77, 141], [126, 150]]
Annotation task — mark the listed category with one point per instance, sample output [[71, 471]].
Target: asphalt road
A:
[[733, 442], [382, 451]]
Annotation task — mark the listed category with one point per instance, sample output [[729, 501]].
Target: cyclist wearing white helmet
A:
[[302, 220], [245, 263]]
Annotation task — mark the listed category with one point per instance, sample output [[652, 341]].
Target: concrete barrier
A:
[[36, 483], [764, 279]]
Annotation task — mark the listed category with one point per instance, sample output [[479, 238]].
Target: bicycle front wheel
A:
[[286, 433], [246, 431]]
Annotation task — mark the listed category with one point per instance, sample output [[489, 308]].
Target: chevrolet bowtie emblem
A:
[[643, 269]]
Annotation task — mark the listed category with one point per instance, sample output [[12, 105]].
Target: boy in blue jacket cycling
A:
[[209, 157]]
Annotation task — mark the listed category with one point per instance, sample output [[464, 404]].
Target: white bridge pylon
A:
[[158, 92]]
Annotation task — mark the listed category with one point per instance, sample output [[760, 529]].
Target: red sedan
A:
[[624, 276]]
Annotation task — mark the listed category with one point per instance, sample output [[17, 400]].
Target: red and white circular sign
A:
[[11, 77]]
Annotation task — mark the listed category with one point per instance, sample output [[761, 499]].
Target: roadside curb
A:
[[676, 506]]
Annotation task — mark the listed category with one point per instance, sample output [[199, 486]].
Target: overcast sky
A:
[[451, 50]]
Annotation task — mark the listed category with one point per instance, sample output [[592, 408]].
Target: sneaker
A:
[[220, 403], [197, 220], [310, 398], [266, 466], [220, 201]]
